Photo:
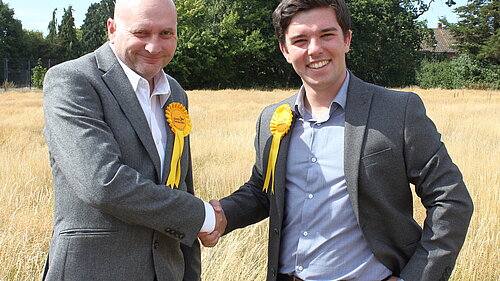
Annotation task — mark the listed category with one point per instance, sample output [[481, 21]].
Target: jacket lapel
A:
[[120, 87], [357, 111], [170, 141], [280, 169]]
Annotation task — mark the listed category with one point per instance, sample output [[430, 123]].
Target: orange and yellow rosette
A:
[[280, 125], [179, 122]]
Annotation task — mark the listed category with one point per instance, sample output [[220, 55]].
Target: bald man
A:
[[124, 207]]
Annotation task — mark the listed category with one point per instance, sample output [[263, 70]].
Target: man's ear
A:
[[284, 51], [347, 41], [111, 24]]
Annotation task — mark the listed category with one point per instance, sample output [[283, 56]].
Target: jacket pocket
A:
[[81, 232], [375, 157]]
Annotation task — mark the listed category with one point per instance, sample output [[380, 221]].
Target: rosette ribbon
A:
[[280, 125], [180, 124]]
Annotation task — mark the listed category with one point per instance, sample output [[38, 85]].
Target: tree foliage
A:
[[386, 37], [67, 35], [226, 44], [235, 42], [11, 33], [94, 30], [477, 30], [36, 46], [52, 27], [231, 44]]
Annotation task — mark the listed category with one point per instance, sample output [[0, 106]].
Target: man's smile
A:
[[318, 64]]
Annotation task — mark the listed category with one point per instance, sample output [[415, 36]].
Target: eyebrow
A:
[[327, 29], [145, 29], [170, 29]]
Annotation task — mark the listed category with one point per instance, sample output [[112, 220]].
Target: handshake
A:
[[211, 239]]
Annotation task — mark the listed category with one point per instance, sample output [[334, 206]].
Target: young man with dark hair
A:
[[334, 165]]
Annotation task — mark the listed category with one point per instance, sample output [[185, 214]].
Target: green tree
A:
[[477, 30], [68, 36], [227, 44], [260, 61], [386, 37], [11, 33], [107, 8], [199, 46], [94, 31], [36, 46], [52, 27], [55, 49]]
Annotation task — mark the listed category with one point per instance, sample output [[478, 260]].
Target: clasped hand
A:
[[211, 239]]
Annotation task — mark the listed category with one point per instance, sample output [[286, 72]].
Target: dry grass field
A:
[[222, 148]]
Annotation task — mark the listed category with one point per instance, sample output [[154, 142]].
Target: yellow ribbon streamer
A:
[[180, 124], [280, 125]]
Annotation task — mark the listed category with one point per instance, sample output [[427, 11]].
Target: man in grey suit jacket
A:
[[338, 195], [111, 151]]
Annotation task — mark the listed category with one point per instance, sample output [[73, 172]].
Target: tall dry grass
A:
[[222, 147], [25, 187]]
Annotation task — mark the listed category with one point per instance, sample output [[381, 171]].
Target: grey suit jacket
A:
[[114, 218], [390, 143]]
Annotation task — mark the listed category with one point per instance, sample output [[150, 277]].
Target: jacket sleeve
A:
[[192, 254], [439, 184], [249, 204]]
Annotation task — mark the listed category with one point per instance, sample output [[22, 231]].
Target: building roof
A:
[[444, 41]]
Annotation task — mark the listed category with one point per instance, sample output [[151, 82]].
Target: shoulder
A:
[[355, 81], [268, 111], [388, 97], [73, 69], [76, 64], [92, 64]]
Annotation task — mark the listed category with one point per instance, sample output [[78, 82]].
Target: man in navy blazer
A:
[[334, 165], [118, 213]]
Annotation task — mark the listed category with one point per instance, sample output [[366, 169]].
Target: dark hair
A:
[[289, 8]]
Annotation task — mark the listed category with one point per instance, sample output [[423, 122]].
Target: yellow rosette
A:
[[280, 125], [179, 122]]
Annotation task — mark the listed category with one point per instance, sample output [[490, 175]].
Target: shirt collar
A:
[[162, 87], [339, 99]]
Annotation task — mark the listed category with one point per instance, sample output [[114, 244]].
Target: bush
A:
[[437, 74], [38, 76], [461, 72]]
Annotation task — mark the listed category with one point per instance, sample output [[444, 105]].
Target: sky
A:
[[36, 15]]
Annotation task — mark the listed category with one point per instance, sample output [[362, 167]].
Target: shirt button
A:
[[310, 196], [314, 159], [305, 233], [300, 268]]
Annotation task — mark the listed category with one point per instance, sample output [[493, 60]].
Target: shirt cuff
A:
[[209, 223]]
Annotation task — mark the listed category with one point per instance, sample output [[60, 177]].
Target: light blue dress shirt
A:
[[321, 239]]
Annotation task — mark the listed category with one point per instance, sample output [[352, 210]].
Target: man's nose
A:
[[314, 47], [153, 45]]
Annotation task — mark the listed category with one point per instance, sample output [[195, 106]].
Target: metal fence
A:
[[18, 72]]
